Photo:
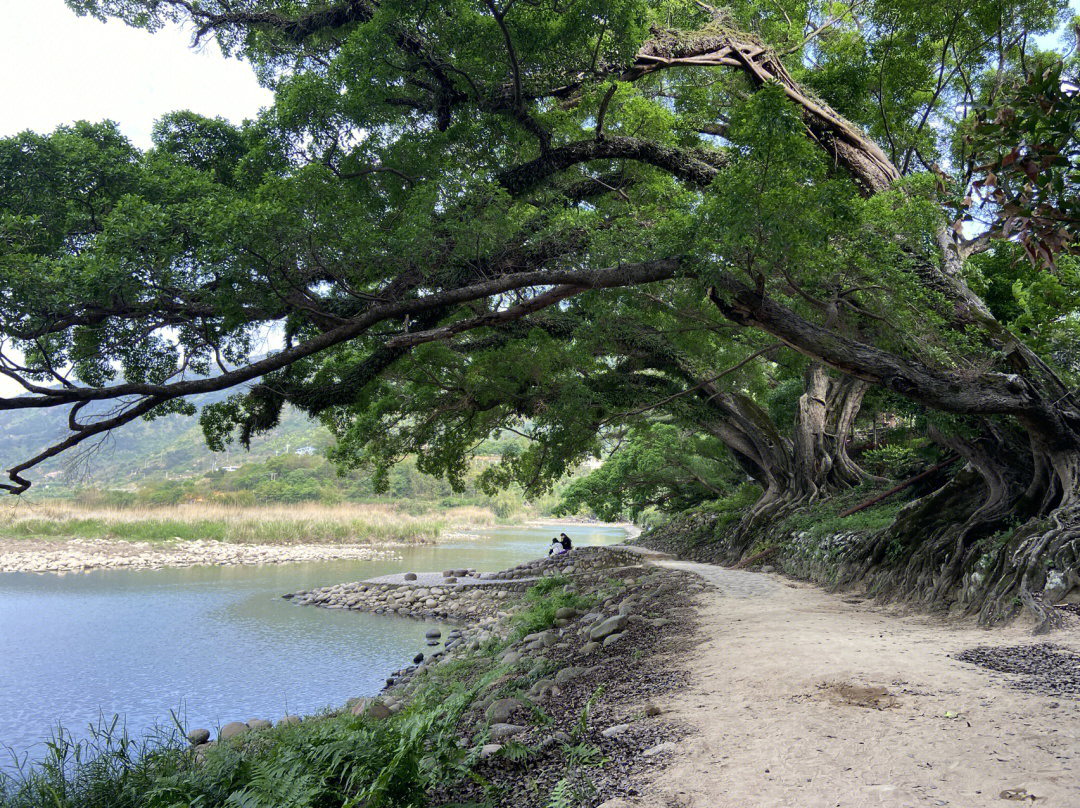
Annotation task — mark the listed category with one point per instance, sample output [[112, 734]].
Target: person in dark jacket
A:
[[564, 540]]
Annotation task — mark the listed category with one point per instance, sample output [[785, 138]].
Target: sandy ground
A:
[[80, 555], [800, 699]]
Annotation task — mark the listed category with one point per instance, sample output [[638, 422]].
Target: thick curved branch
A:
[[696, 166], [994, 394]]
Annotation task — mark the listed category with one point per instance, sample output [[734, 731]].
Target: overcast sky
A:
[[58, 68]]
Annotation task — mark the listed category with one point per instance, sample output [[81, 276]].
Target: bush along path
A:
[[557, 697]]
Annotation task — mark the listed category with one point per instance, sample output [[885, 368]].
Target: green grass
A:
[[824, 518], [256, 532], [332, 760], [542, 600]]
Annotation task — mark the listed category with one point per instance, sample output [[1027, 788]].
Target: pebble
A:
[[609, 627], [659, 749], [80, 555]]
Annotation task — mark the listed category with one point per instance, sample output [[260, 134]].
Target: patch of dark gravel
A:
[[1044, 668]]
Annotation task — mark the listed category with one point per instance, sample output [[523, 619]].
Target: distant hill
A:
[[144, 451]]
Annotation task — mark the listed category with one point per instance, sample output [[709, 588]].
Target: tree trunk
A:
[[824, 419]]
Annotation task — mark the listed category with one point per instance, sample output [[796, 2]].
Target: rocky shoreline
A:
[[588, 677], [83, 555], [454, 594]]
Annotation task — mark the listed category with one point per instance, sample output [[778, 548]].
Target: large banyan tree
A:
[[567, 218]]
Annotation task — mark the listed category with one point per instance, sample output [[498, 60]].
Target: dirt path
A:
[[801, 699]]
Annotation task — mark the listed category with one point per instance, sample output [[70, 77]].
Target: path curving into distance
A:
[[800, 698]]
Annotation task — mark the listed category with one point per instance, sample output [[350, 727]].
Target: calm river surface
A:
[[216, 644]]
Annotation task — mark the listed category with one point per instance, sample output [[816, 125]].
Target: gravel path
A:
[[802, 698]]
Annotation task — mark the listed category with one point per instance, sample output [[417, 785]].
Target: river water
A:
[[214, 644]]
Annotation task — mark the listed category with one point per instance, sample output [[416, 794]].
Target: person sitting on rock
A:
[[557, 546], [565, 541]]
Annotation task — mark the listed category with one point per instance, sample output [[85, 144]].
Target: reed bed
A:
[[304, 523]]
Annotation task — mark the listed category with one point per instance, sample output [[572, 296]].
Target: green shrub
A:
[[895, 460], [544, 598]]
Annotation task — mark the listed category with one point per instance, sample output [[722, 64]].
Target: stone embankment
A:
[[81, 555], [594, 675], [461, 594]]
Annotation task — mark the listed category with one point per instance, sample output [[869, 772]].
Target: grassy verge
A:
[[276, 524], [333, 760]]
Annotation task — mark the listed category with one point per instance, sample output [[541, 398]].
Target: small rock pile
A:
[[452, 601]]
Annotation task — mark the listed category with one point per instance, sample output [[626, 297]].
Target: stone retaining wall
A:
[[456, 601]]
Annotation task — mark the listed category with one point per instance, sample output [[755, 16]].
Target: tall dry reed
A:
[[269, 524]]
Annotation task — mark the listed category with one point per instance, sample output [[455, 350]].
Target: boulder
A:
[[460, 573], [231, 730], [198, 736], [618, 729], [258, 723], [566, 674], [500, 731], [502, 711], [540, 687], [410, 576], [565, 613], [433, 634], [447, 573], [359, 706], [609, 627], [418, 658], [611, 639], [378, 711], [290, 719], [372, 708], [489, 749]]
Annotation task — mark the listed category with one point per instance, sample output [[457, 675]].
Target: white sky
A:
[[58, 68]]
